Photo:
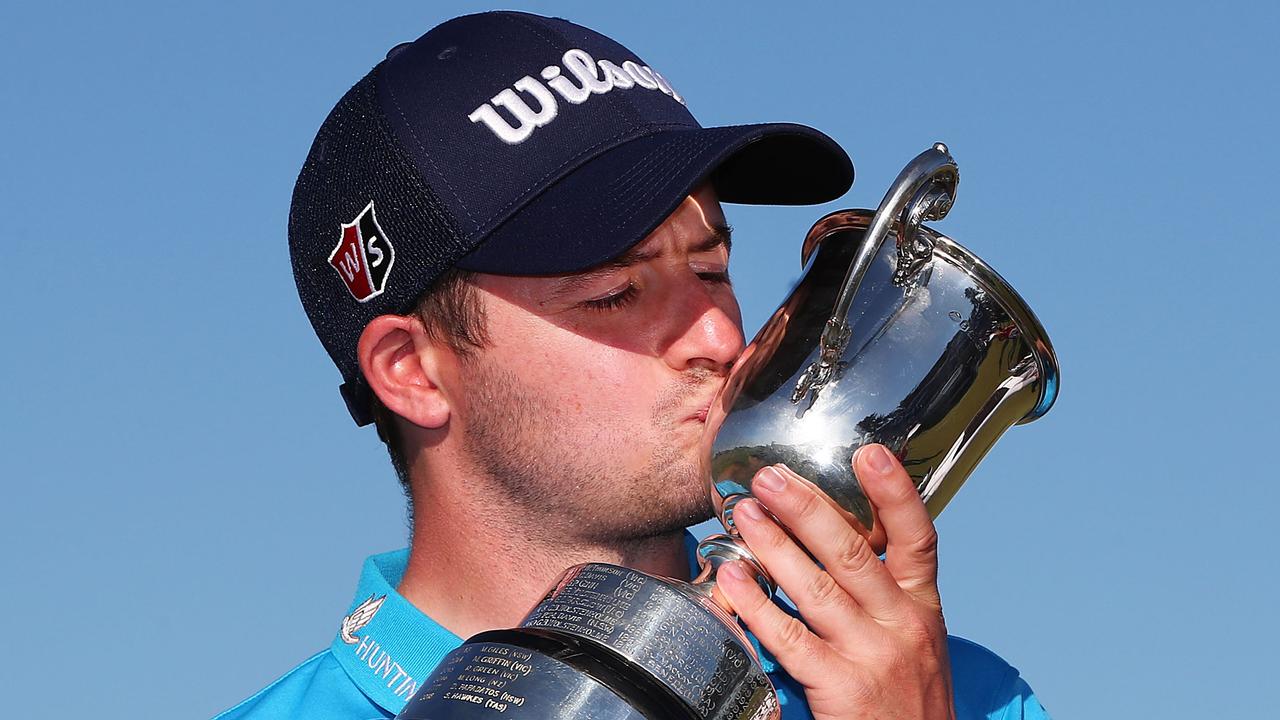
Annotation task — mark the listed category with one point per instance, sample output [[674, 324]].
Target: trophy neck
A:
[[716, 550]]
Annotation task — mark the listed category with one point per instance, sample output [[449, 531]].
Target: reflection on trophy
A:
[[916, 344]]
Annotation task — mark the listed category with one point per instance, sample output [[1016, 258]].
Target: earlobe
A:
[[402, 366]]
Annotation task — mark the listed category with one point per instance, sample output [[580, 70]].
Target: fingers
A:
[[799, 650], [877, 628], [851, 578], [825, 604], [911, 553]]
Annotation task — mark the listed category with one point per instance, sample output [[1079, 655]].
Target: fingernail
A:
[[734, 571], [750, 508], [770, 479], [878, 458]]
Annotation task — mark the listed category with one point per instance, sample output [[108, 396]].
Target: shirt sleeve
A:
[[1019, 702], [988, 688]]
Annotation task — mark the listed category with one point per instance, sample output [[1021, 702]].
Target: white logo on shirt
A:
[[399, 681], [374, 655], [358, 618]]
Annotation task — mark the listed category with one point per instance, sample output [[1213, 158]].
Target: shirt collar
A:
[[388, 646], [385, 643]]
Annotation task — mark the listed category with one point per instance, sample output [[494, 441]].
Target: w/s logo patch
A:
[[364, 256]]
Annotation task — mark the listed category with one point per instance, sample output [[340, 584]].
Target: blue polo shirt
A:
[[386, 647]]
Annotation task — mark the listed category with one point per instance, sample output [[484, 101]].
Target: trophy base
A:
[[607, 643], [530, 673]]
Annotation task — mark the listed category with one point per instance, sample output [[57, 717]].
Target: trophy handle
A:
[[924, 190]]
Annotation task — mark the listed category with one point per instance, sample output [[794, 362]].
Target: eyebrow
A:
[[719, 235]]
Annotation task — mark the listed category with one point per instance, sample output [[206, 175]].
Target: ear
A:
[[403, 368]]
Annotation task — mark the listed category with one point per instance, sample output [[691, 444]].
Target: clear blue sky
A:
[[186, 503]]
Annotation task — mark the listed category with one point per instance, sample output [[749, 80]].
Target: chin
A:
[[676, 516]]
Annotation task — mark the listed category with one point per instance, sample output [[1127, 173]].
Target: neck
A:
[[473, 570]]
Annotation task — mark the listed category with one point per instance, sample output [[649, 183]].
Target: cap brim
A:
[[611, 202]]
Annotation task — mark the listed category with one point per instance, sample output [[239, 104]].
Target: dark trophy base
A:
[[607, 643]]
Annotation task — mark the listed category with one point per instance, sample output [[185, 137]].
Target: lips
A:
[[701, 397], [702, 409]]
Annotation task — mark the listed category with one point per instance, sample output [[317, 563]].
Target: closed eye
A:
[[612, 301], [716, 277]]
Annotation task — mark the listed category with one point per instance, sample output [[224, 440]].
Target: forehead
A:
[[689, 227]]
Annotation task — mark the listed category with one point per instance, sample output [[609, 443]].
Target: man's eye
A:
[[718, 277], [613, 300]]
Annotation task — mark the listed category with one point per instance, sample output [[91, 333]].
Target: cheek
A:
[[608, 384], [578, 380]]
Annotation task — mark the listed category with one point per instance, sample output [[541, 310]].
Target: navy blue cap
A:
[[515, 144]]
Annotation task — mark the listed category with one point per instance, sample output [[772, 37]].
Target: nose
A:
[[706, 328]]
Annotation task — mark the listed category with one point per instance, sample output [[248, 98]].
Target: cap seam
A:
[[424, 189], [650, 169], [645, 167], [435, 168], [688, 159]]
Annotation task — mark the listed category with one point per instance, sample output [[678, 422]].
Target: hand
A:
[[875, 645]]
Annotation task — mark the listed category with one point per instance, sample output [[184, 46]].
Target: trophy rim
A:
[[1018, 309]]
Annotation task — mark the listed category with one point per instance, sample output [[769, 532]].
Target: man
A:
[[508, 237]]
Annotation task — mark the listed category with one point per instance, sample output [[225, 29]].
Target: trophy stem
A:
[[720, 548]]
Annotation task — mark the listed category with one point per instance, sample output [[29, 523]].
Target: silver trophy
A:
[[916, 344]]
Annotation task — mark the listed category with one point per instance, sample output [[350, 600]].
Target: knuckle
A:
[[916, 630], [792, 633], [812, 650], [854, 556], [922, 632], [926, 540], [806, 505], [824, 591]]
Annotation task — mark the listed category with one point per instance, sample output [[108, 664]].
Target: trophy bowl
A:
[[935, 369]]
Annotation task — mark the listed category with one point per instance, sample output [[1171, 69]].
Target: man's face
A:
[[587, 405]]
